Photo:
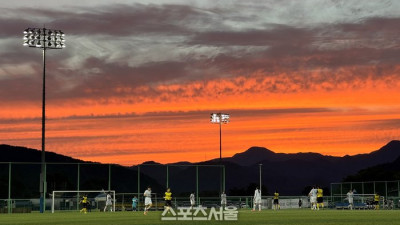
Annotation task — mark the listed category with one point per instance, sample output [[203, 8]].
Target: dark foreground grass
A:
[[246, 217]]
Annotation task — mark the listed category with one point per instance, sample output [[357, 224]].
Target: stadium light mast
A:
[[220, 118], [44, 39]]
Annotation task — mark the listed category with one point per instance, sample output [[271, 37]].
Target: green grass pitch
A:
[[246, 217]]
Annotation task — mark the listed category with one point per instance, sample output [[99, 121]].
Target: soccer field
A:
[[296, 217]]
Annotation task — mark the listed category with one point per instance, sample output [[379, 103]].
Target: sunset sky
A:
[[139, 79]]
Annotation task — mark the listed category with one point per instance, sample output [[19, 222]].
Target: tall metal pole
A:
[[78, 185], [197, 184], [44, 39], [220, 140], [9, 188], [220, 154], [44, 186], [138, 182], [109, 177], [42, 173], [386, 190], [167, 177], [260, 165], [398, 187], [223, 177], [219, 118]]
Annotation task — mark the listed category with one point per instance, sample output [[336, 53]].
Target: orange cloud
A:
[[284, 112]]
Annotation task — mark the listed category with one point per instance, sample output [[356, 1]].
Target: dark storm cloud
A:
[[342, 52], [327, 45], [20, 56], [276, 35], [188, 115], [362, 48], [122, 20], [21, 89], [13, 27], [382, 27], [112, 78]]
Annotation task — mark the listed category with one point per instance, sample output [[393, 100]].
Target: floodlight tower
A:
[[44, 39], [219, 118]]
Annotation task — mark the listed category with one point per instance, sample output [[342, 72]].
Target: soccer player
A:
[[147, 200], [223, 200], [276, 200], [350, 199], [313, 198], [84, 202], [376, 200], [320, 197], [168, 198], [300, 203], [134, 203], [192, 200], [108, 203], [257, 199]]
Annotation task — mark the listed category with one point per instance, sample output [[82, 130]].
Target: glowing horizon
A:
[[139, 79]]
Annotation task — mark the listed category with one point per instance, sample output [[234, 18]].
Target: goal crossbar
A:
[[83, 191]]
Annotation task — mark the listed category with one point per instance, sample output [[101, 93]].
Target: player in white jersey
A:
[[313, 198], [108, 203], [223, 200], [350, 195], [192, 200], [147, 200], [257, 199]]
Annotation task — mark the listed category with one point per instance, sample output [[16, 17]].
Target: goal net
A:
[[70, 200]]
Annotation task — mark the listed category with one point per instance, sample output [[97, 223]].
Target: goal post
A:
[[66, 200]]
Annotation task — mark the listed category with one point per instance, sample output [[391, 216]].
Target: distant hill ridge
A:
[[254, 155], [288, 172], [10, 153]]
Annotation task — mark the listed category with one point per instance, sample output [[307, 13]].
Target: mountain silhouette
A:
[[93, 175], [382, 172], [289, 173], [10, 153]]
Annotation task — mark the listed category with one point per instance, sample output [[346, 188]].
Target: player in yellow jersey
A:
[[276, 200], [168, 198], [376, 200], [84, 202], [320, 198]]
